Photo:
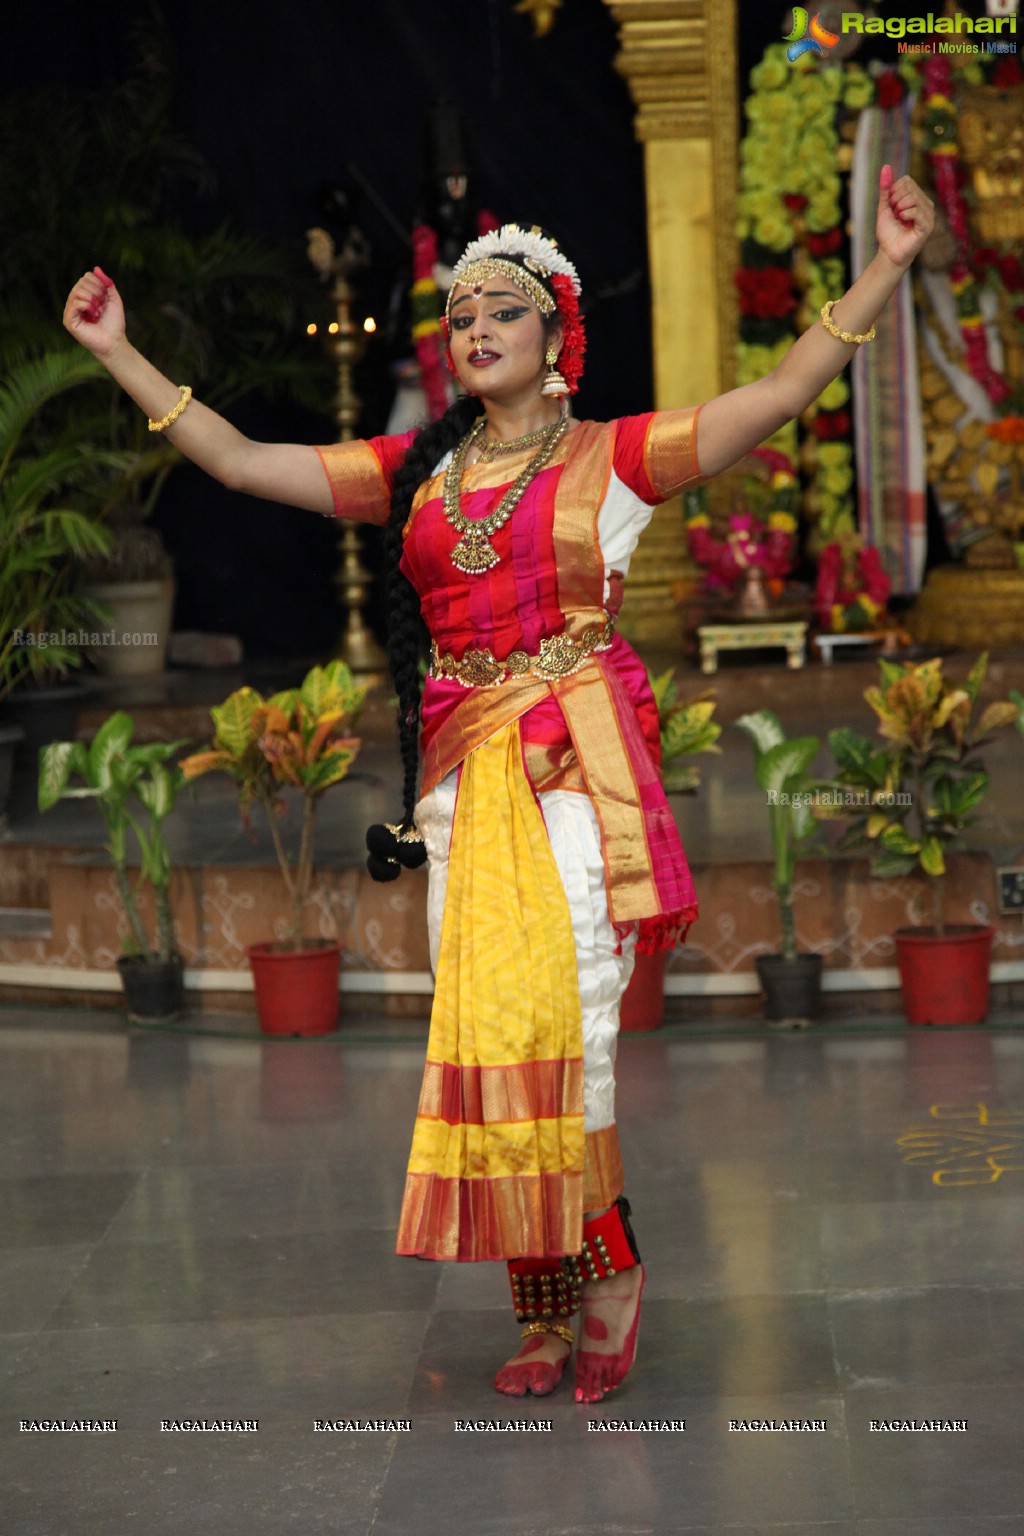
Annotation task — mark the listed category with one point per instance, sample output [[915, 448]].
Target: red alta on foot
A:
[[598, 1373], [540, 1377]]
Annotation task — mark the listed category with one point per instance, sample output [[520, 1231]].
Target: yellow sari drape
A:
[[496, 1169]]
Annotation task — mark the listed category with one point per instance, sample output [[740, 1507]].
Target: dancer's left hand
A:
[[906, 217]]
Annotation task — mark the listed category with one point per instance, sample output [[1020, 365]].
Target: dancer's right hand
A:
[[94, 313]]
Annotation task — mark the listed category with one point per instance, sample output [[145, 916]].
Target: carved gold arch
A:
[[679, 59]]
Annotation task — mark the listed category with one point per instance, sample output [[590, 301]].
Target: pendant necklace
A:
[[474, 553]]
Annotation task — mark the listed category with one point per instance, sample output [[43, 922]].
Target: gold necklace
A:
[[474, 553], [497, 447]]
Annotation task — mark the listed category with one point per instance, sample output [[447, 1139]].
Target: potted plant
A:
[[685, 727], [103, 174], [44, 621], [912, 799], [790, 980], [134, 786], [293, 740]]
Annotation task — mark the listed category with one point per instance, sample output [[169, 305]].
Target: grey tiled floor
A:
[[194, 1226]]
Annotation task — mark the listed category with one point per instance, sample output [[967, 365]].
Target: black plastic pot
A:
[[10, 738], [154, 990], [792, 989], [45, 715]]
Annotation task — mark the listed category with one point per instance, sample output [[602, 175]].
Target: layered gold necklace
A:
[[474, 553]]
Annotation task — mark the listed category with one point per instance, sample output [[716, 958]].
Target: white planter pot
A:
[[134, 643]]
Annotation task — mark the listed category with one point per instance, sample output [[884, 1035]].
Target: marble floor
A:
[[201, 1227]]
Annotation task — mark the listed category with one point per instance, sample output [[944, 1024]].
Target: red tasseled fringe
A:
[[664, 932]]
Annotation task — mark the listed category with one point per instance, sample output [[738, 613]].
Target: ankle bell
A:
[[609, 1246]]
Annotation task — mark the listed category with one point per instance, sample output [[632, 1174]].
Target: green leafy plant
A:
[[102, 175], [914, 796], [296, 740], [782, 766], [134, 786], [686, 728], [43, 529]]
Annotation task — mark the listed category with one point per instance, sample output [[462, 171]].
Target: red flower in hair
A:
[[574, 341]]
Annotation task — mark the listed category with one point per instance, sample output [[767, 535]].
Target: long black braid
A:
[[407, 635]]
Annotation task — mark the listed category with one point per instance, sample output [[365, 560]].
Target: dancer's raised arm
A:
[[285, 472], [735, 422]]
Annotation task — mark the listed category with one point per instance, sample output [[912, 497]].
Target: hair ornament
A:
[[534, 250]]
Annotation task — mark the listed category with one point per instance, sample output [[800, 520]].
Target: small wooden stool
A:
[[790, 634]]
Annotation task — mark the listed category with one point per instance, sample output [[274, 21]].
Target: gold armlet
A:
[[172, 416], [833, 329]]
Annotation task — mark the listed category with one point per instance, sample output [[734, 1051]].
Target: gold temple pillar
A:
[[679, 59]]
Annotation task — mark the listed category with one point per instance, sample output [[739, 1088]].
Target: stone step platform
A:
[[61, 929]]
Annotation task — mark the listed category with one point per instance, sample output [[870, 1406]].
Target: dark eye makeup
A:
[[506, 316]]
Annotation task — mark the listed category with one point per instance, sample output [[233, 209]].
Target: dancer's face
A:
[[498, 339]]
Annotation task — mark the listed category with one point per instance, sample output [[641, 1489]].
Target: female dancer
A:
[[553, 855]]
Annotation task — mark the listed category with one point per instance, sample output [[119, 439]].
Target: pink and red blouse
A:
[[563, 559]]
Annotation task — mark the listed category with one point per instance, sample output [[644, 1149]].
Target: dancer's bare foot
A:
[[537, 1367], [610, 1319]]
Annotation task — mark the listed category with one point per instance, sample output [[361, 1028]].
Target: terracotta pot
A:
[[643, 1002], [945, 973], [296, 989]]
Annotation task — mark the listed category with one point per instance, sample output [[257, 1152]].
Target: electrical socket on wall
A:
[[1011, 890]]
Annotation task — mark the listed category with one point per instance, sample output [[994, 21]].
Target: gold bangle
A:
[[172, 416], [833, 329], [545, 1327]]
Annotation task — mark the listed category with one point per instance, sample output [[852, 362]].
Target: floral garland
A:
[[426, 321], [852, 589], [791, 253], [943, 157], [428, 331], [764, 536]]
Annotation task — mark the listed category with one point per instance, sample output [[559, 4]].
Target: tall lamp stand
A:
[[356, 645]]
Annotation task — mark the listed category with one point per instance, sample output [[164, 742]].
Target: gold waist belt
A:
[[559, 656]]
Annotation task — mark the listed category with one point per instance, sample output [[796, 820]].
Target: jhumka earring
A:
[[553, 384]]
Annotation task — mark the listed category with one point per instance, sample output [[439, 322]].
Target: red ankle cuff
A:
[[544, 1288], [608, 1243]]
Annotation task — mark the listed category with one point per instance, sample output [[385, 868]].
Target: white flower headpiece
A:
[[537, 252]]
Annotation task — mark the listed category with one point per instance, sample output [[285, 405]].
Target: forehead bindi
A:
[[493, 288]]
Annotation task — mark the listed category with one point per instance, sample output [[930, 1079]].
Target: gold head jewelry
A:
[[478, 272]]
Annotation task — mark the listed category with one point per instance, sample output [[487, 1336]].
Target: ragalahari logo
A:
[[819, 41]]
